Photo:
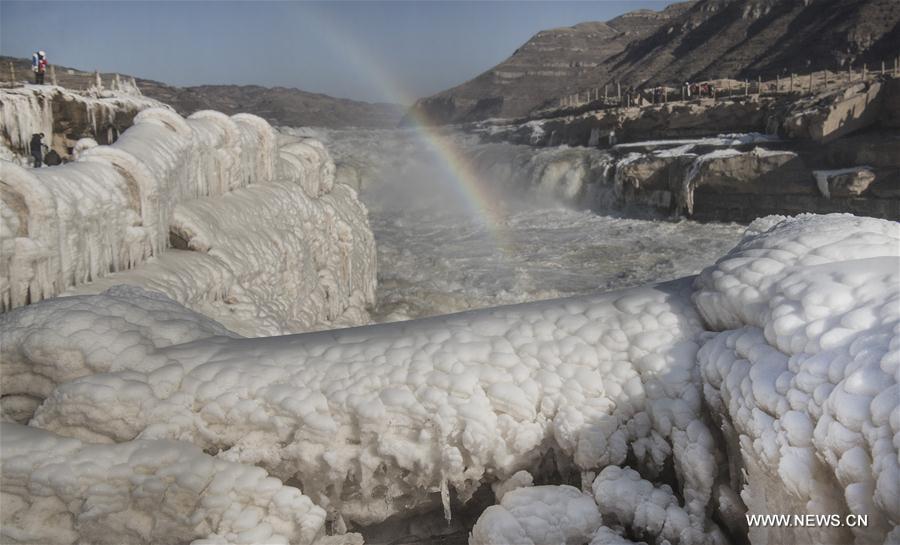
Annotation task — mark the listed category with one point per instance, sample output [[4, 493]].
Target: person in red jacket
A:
[[40, 67]]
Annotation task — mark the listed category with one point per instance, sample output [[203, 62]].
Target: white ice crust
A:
[[275, 246], [804, 383], [28, 110], [62, 491], [767, 385], [375, 420], [538, 515], [61, 339], [266, 260], [801, 381]]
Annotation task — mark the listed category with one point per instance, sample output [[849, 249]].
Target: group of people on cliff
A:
[[657, 95]]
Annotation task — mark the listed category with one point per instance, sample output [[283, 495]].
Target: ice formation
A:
[[55, 341], [768, 385], [275, 246], [59, 490], [539, 515], [625, 499], [30, 109], [266, 260], [373, 421], [804, 380]]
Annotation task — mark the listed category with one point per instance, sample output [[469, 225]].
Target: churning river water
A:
[[461, 225]]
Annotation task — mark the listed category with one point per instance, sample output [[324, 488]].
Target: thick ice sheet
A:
[[802, 383], [373, 421]]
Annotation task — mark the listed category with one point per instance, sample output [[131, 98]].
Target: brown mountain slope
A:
[[552, 63], [686, 41], [278, 105]]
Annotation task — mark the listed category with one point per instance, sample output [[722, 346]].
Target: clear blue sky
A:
[[373, 51]]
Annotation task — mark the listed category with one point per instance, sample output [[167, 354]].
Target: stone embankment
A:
[[837, 151]]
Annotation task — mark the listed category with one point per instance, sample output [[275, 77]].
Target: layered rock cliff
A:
[[687, 41]]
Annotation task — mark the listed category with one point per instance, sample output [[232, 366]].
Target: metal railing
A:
[[614, 95]]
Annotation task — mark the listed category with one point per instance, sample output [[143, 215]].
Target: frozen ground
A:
[[438, 252], [766, 385]]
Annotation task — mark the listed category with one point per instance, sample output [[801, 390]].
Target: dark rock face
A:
[[278, 105], [689, 41]]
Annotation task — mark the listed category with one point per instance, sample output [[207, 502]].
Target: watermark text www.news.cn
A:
[[808, 520]]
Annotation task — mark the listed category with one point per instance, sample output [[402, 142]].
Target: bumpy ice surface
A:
[[797, 367], [219, 188], [60, 490]]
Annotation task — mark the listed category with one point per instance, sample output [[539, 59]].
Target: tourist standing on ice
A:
[[37, 149]]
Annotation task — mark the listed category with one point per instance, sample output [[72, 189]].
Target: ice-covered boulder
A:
[[755, 172], [803, 381], [61, 491], [626, 500], [537, 515]]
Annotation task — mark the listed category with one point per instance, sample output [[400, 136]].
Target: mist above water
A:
[[444, 248]]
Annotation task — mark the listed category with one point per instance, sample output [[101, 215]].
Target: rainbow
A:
[[468, 184]]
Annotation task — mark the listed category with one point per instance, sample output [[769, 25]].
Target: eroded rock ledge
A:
[[666, 157]]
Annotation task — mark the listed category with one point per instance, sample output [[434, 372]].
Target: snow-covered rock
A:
[[60, 490], [376, 420], [804, 383], [844, 182]]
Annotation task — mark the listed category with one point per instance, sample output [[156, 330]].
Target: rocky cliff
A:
[[687, 41], [278, 105]]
